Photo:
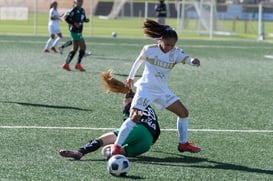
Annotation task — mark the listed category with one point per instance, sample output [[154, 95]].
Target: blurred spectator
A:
[[161, 12]]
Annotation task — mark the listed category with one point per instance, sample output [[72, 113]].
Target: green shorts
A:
[[76, 36], [138, 141]]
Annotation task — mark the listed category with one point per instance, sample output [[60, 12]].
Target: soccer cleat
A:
[[87, 53], [115, 149], [189, 147], [79, 67], [46, 51], [66, 67], [54, 49], [61, 50], [71, 154]]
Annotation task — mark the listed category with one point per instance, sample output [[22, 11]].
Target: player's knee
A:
[[183, 113], [81, 52], [72, 52]]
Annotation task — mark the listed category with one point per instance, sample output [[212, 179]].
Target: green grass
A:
[[232, 90], [131, 27]]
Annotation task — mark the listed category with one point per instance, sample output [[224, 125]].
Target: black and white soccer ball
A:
[[114, 34], [118, 165]]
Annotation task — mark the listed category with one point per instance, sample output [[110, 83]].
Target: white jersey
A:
[[53, 25], [152, 86], [53, 13], [158, 66]]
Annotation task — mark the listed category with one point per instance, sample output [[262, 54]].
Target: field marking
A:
[[105, 129], [268, 56], [136, 44]]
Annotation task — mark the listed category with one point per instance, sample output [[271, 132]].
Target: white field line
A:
[[268, 56], [133, 44], [104, 129]]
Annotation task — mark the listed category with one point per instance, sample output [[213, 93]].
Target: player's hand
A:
[[196, 62], [86, 20], [77, 25], [129, 83]]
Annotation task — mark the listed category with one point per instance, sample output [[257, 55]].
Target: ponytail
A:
[[155, 30]]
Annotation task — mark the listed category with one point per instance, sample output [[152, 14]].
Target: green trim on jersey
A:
[[138, 141]]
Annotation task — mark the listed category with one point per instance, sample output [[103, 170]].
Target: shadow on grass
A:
[[104, 160], [46, 106], [188, 161]]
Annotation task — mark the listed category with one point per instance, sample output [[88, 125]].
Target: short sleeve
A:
[[182, 57]]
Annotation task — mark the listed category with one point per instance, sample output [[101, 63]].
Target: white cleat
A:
[[87, 53], [61, 50], [106, 152]]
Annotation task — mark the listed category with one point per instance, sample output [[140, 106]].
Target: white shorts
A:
[[54, 29], [160, 99]]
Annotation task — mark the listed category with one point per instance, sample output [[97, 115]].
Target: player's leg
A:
[[90, 146], [138, 142], [51, 38], [81, 54], [71, 54], [140, 101], [57, 41], [125, 129], [182, 126], [49, 43], [63, 46]]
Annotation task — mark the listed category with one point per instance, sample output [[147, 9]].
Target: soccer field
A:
[[44, 108]]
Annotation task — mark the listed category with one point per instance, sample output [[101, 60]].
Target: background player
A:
[[76, 18], [53, 28]]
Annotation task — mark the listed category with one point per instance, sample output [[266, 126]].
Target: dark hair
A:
[[127, 107], [155, 30], [51, 5]]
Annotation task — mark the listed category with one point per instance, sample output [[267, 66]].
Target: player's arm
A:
[[69, 19], [52, 16], [61, 16], [186, 59], [135, 67], [131, 77], [191, 61], [86, 20]]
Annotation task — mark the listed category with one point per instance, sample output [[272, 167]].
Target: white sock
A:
[[182, 127], [124, 131], [48, 43], [56, 42]]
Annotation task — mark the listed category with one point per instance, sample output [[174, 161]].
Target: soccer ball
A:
[[118, 165], [114, 34]]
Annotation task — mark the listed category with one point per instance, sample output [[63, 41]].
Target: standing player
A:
[[53, 28], [75, 18], [142, 136], [161, 12], [152, 87]]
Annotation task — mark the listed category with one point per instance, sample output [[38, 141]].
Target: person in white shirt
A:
[[159, 59], [53, 28]]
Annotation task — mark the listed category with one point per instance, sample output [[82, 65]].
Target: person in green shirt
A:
[[76, 17]]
